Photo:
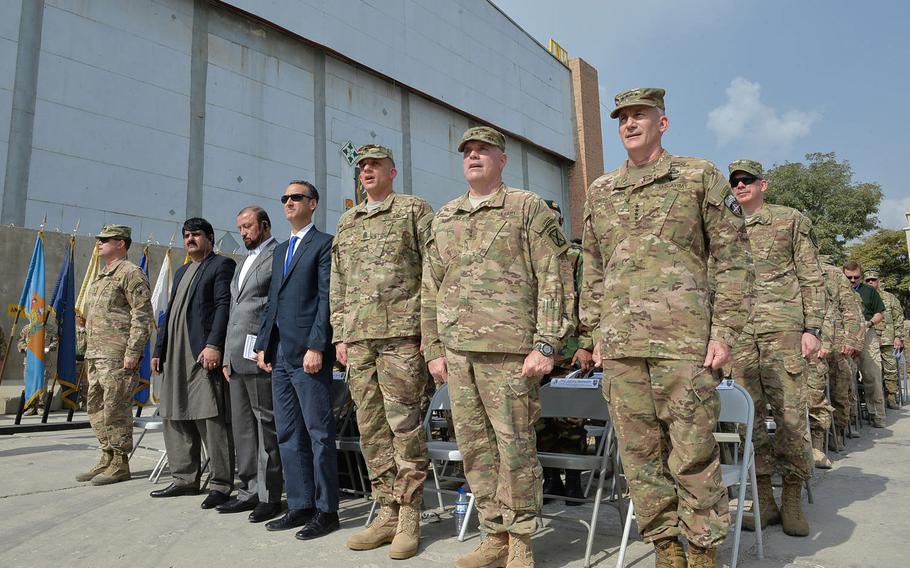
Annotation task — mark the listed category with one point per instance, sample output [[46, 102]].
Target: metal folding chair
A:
[[736, 407]]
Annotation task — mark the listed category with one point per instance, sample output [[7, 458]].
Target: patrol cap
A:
[[374, 151], [748, 166], [871, 274], [483, 134], [643, 96], [115, 232]]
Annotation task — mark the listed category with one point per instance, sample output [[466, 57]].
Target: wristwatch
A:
[[814, 331], [544, 349]]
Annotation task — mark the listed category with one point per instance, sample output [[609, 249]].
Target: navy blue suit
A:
[[296, 320]]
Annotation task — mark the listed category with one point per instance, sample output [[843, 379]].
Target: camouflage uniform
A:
[[789, 297], [50, 356], [567, 435], [492, 289], [118, 319], [842, 326], [375, 299], [890, 328], [648, 234]]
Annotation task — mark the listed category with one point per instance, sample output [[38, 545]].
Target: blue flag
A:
[[32, 304], [141, 392], [64, 306]]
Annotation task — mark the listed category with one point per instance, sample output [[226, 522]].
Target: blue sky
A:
[[768, 80]]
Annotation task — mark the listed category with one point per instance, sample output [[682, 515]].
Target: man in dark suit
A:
[[188, 352], [295, 345], [252, 419]]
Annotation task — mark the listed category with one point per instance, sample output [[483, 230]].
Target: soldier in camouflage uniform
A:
[[891, 335], [841, 339], [494, 312], [650, 227], [784, 329], [117, 322], [869, 359], [377, 261], [567, 435], [50, 360]]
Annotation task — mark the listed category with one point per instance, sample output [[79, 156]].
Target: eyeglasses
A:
[[852, 278], [103, 240], [295, 197], [747, 180]]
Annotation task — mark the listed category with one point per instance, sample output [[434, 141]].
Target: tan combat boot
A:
[[795, 523], [381, 530], [702, 557], [493, 552], [106, 457], [520, 553], [407, 533], [117, 471], [669, 553], [818, 451], [770, 514]]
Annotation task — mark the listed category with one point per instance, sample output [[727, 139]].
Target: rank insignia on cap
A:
[[733, 205]]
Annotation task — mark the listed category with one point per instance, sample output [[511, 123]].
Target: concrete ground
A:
[[48, 519]]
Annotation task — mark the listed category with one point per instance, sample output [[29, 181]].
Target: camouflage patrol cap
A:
[[643, 96], [483, 134], [748, 166], [871, 274], [115, 232], [374, 151]]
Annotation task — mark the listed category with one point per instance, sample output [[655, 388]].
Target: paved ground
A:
[[48, 519]]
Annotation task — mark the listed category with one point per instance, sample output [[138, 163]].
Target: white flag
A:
[[162, 292]]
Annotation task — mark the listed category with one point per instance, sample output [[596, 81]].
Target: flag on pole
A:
[[64, 308], [160, 296], [141, 392], [90, 273], [33, 305]]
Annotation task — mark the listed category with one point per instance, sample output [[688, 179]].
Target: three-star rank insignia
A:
[[733, 205]]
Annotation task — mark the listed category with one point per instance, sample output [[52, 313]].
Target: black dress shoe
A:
[[214, 499], [264, 512], [292, 519], [320, 525], [174, 490], [235, 505]]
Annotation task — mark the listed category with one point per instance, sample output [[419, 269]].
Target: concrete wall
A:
[[150, 111], [444, 50]]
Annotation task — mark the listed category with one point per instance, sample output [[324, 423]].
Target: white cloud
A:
[[891, 213], [744, 117]]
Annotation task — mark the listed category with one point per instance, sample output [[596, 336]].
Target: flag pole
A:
[[49, 394]]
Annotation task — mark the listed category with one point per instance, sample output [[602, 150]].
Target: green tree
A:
[[886, 250], [823, 188]]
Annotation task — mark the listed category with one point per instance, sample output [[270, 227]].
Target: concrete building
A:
[[146, 112]]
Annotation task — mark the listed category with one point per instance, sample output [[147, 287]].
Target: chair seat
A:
[[150, 423], [569, 461], [446, 451]]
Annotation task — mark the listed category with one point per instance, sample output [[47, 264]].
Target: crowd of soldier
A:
[[682, 274]]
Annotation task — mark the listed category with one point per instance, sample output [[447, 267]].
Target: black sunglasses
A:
[[294, 197], [747, 180], [852, 278], [103, 240]]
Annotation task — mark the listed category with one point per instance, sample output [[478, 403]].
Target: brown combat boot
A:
[[381, 531], [520, 553], [103, 462], [795, 523], [818, 451], [770, 514], [669, 553], [407, 533], [702, 557], [493, 552], [118, 470]]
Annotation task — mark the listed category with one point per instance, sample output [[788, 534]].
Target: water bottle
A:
[[461, 509]]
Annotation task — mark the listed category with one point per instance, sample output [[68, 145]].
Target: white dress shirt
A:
[[300, 234], [250, 259]]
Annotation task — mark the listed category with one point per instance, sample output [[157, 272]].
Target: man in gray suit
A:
[[252, 419]]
